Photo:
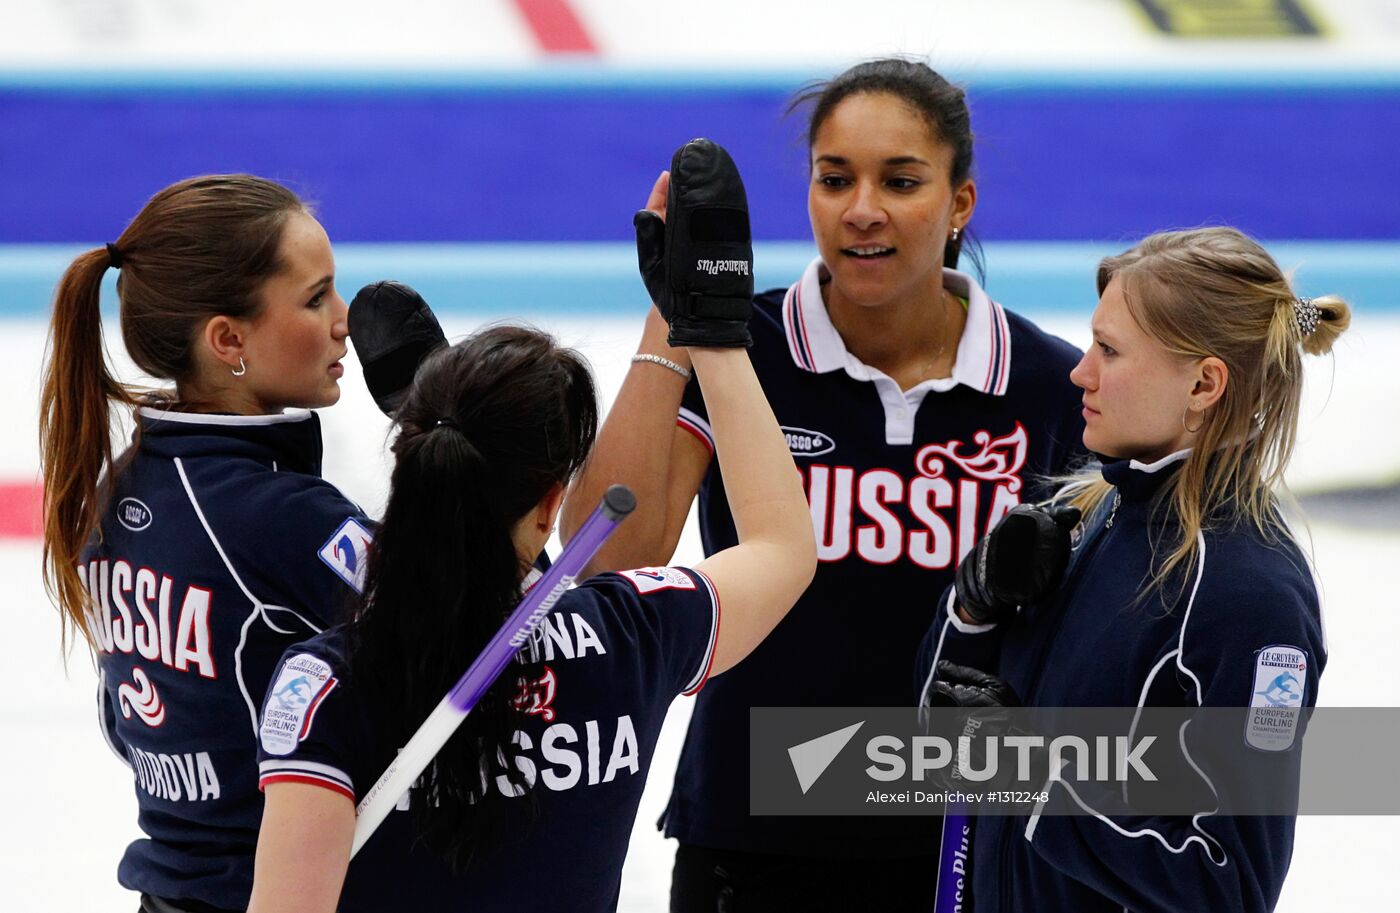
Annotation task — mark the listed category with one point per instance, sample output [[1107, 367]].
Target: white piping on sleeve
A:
[[1186, 619], [937, 652], [258, 608], [1142, 701], [300, 617], [957, 623], [1207, 842], [1039, 808]]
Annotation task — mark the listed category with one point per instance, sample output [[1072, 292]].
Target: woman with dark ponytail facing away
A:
[[191, 560], [529, 806]]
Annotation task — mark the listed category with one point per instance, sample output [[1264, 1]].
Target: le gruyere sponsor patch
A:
[[1277, 697], [347, 553], [650, 579], [301, 686]]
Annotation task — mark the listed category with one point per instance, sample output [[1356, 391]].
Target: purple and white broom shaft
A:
[[617, 503], [953, 853]]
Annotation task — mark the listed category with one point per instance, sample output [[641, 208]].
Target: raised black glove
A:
[[698, 264], [964, 686], [1020, 561], [394, 330]]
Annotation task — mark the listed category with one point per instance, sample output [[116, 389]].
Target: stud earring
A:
[[242, 368], [953, 235]]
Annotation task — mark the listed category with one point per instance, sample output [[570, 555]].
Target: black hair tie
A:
[[114, 256]]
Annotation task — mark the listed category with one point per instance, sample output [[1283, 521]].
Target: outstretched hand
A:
[[695, 251]]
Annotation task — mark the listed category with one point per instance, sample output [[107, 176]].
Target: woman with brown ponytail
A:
[[189, 562], [1186, 587]]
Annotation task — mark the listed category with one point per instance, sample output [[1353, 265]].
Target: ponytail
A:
[[199, 248], [75, 438], [444, 542], [489, 429]]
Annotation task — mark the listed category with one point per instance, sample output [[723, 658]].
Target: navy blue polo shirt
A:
[[615, 652], [220, 546], [901, 484]]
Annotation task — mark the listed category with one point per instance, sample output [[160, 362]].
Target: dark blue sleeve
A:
[[307, 728], [949, 638], [669, 619], [308, 564], [1251, 637]]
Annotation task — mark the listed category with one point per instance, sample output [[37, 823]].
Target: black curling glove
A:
[[394, 330], [698, 264], [1020, 561], [964, 686]]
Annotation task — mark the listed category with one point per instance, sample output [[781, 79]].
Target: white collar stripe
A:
[[983, 361]]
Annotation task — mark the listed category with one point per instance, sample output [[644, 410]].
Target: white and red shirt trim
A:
[[702, 674], [310, 772]]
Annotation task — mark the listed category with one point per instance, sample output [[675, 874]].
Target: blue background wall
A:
[[483, 160], [565, 156]]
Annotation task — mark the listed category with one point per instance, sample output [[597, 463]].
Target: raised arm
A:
[[759, 579], [641, 446], [697, 263]]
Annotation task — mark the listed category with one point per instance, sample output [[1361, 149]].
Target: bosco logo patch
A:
[[802, 442], [1276, 700], [133, 514], [303, 683], [650, 579], [347, 553]]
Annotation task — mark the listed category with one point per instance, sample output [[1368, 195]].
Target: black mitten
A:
[[698, 264], [394, 330], [1020, 561], [964, 686]]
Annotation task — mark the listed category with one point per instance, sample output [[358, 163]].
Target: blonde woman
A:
[[1187, 589]]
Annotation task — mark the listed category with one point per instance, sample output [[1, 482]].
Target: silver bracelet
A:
[[663, 362]]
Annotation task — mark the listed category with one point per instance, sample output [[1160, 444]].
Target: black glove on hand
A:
[[698, 264], [1020, 561], [964, 686], [394, 330]]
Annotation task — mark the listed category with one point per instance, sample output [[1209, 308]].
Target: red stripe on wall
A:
[[21, 510], [556, 27]]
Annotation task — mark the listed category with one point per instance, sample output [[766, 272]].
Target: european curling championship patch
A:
[[1276, 702], [303, 683]]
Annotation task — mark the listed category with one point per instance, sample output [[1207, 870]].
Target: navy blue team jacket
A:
[[1094, 645], [900, 485], [220, 545], [615, 653]]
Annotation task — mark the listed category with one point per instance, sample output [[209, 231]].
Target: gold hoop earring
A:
[[242, 368], [1189, 429]]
